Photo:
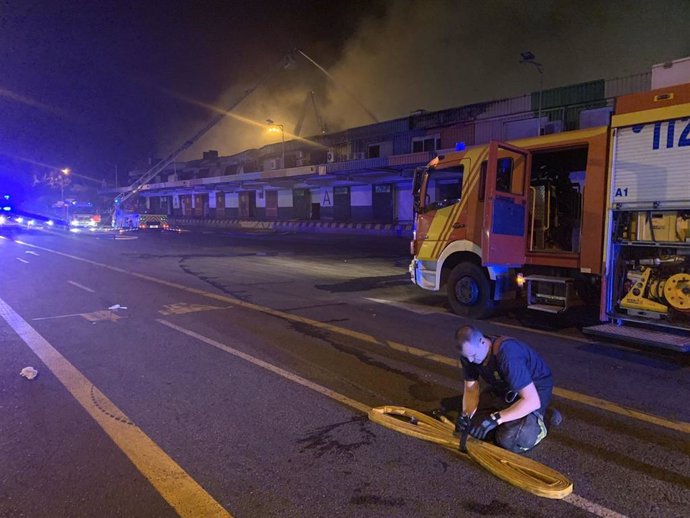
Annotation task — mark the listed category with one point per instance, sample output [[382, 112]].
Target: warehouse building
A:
[[364, 174]]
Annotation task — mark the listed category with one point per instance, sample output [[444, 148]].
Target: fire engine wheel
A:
[[469, 291]]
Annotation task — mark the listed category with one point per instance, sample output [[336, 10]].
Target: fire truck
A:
[[594, 217]]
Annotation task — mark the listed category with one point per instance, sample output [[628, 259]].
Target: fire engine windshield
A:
[[443, 187]]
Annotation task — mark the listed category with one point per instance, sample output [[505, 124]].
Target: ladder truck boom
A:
[[136, 186]]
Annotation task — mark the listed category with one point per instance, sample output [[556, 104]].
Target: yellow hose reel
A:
[[677, 292]]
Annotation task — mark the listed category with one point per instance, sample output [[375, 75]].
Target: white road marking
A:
[[270, 367], [546, 333], [22, 260], [30, 252], [591, 507], [414, 308], [171, 481], [81, 286], [422, 310], [571, 499]]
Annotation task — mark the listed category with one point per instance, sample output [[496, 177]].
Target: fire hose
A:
[[515, 469]]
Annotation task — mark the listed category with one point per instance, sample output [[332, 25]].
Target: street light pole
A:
[[64, 172], [541, 90], [529, 58], [282, 153]]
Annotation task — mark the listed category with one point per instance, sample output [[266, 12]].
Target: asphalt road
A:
[[241, 363]]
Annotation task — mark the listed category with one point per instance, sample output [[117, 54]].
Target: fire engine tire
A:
[[469, 291]]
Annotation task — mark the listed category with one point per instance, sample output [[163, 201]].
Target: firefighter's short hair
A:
[[469, 334]]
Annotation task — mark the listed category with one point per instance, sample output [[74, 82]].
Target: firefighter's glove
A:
[[462, 423], [462, 428], [481, 429]]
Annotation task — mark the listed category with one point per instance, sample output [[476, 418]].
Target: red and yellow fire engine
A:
[[595, 216]]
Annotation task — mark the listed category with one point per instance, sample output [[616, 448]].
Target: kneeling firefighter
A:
[[513, 408]]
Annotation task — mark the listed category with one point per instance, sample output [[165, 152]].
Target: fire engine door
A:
[[504, 236]]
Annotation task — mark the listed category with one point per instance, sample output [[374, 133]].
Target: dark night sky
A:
[[90, 84]]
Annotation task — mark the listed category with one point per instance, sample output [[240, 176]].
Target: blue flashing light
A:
[[7, 208], [460, 146], [6, 196]]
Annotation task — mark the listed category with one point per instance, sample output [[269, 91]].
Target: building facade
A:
[[364, 174]]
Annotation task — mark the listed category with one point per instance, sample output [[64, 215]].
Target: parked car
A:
[[9, 224]]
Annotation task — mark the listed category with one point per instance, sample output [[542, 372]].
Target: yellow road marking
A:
[[98, 316], [621, 410], [172, 482], [581, 398], [181, 308]]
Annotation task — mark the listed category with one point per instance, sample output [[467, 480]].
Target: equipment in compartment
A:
[[677, 292], [659, 226], [556, 197], [657, 287], [638, 301], [683, 227]]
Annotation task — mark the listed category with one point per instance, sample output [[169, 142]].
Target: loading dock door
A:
[[200, 205], [341, 203], [247, 201], [301, 203], [271, 204], [220, 205], [186, 202], [382, 201]]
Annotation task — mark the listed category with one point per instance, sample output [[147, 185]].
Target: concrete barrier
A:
[[335, 227]]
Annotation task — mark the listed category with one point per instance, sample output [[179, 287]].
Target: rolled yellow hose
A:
[[515, 469]]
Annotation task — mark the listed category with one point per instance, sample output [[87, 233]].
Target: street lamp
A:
[[64, 172], [275, 128], [529, 58]]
